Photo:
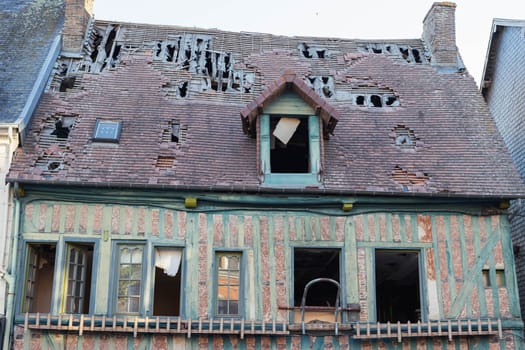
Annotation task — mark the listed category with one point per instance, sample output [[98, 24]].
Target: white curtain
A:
[[168, 259]]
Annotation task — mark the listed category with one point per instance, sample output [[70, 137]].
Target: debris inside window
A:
[[291, 156], [285, 129], [397, 286]]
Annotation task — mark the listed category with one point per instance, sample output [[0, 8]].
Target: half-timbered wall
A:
[[454, 248]]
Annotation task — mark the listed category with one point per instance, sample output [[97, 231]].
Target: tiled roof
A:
[[27, 31], [432, 134]]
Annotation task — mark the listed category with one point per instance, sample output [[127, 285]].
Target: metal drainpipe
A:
[[9, 277]]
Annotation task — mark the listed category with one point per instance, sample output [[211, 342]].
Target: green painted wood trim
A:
[[483, 310], [437, 265], [472, 275], [464, 257], [264, 145], [510, 267], [289, 103], [271, 267], [351, 276], [450, 260], [370, 266]]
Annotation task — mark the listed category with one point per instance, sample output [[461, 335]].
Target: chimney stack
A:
[[439, 34], [78, 15]]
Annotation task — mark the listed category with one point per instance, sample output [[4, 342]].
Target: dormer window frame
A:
[[312, 177]]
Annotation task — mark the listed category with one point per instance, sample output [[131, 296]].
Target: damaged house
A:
[[184, 188]]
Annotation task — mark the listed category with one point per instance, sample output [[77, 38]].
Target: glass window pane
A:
[[125, 256], [136, 256], [134, 288], [136, 272]]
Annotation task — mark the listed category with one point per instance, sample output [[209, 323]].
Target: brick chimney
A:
[[439, 34], [78, 14]]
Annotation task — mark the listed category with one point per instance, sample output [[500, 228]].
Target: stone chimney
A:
[[78, 14], [439, 34]]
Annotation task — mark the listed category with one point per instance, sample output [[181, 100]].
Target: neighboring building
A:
[[29, 47], [181, 188], [503, 86]]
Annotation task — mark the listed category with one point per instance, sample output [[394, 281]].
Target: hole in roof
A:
[[54, 166], [67, 83], [360, 100], [404, 137], [375, 100]]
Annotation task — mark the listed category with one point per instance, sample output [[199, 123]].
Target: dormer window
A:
[[290, 149], [288, 119]]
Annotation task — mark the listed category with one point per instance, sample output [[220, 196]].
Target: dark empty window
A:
[[313, 263], [38, 282], [397, 286], [166, 291], [289, 145], [107, 131]]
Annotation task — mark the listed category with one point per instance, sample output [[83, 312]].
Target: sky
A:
[[350, 19]]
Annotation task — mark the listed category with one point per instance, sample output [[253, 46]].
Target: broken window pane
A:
[[397, 286], [228, 274], [292, 156], [38, 282]]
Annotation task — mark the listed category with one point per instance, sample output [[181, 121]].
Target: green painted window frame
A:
[[229, 287], [291, 179], [135, 276], [75, 277]]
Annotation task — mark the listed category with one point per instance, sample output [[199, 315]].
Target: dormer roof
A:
[[289, 81]]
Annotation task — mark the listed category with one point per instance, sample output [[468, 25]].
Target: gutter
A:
[[255, 189], [10, 277]]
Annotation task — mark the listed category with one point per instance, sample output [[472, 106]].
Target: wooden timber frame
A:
[[242, 327]]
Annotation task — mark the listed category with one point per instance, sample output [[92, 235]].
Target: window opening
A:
[[167, 287], [228, 274], [79, 264], [129, 278], [289, 145], [498, 280], [397, 286], [313, 263], [38, 282]]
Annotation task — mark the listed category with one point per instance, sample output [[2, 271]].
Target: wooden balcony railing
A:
[[175, 325]]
